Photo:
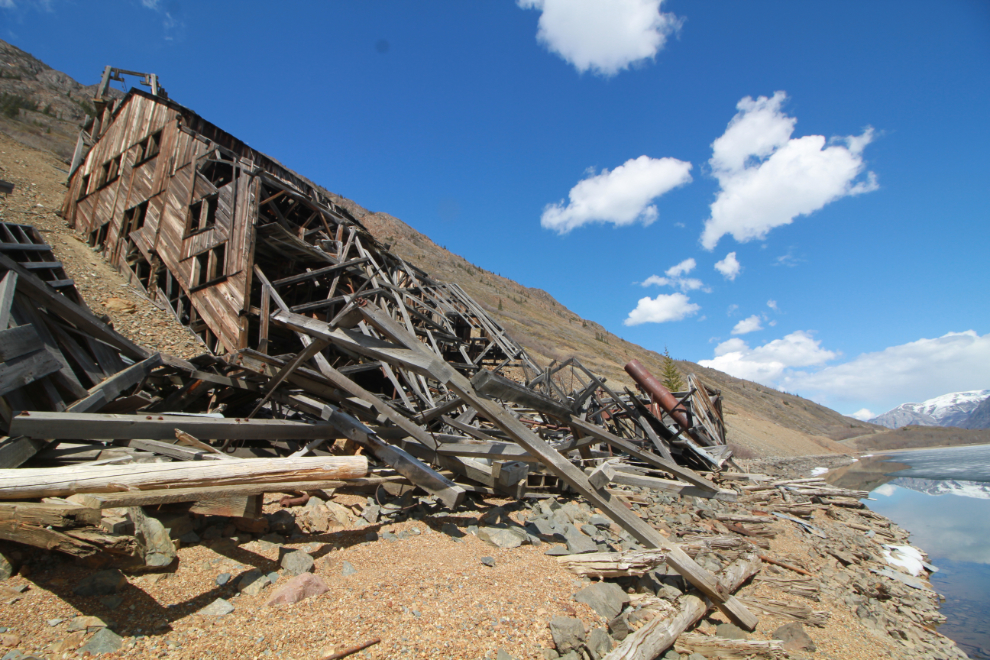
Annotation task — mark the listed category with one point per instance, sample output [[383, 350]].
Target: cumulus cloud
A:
[[682, 268], [732, 309], [603, 36], [918, 370], [767, 178], [663, 308], [674, 277], [7, 4], [772, 304], [767, 364], [623, 196], [863, 414], [729, 267], [751, 324]]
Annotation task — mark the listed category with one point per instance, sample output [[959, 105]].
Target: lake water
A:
[[942, 496]]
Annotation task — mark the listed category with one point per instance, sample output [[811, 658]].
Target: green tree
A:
[[669, 375]]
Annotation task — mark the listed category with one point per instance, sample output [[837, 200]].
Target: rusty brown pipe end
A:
[[661, 394], [287, 501]]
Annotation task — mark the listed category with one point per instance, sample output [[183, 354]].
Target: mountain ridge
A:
[[952, 410]]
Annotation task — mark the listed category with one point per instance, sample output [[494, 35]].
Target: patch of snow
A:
[[886, 490], [866, 456], [818, 471], [905, 557]]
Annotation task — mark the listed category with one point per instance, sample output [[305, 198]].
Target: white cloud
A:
[[605, 36], [663, 308], [7, 4], [150, 4], [655, 280], [732, 309], [768, 363], [863, 414], [919, 370], [729, 267], [623, 196], [768, 178], [751, 324], [772, 304], [682, 268]]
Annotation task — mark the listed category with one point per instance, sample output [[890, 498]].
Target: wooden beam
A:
[[26, 369], [7, 288], [18, 341]]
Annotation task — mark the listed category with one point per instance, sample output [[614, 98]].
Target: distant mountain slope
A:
[[913, 437], [761, 421], [952, 409], [979, 418], [39, 106]]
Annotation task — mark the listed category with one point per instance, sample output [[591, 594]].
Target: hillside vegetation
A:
[[913, 437]]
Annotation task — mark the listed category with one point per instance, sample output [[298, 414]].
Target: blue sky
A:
[[837, 149]]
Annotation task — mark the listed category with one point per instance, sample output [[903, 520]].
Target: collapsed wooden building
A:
[[315, 331]]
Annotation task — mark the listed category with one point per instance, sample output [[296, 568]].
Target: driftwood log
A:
[[613, 564], [27, 483]]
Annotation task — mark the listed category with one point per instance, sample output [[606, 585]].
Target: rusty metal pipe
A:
[[660, 394]]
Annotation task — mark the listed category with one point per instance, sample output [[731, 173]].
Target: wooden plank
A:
[[229, 506], [495, 386], [18, 341], [172, 451], [26, 369], [7, 288], [329, 270], [48, 539], [97, 426], [667, 485], [27, 483], [31, 286], [54, 515]]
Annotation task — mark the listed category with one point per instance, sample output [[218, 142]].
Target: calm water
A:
[[943, 497]]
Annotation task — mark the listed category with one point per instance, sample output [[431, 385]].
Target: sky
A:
[[793, 193]]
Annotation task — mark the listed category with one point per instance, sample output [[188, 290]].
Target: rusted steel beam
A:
[[661, 395]]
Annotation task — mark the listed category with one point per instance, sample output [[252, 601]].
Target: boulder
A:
[[104, 641], [599, 643], [297, 563], [219, 607], [567, 632], [154, 543], [794, 637], [299, 588], [502, 537], [606, 598]]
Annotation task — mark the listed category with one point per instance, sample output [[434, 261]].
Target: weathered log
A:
[[798, 612], [732, 649], [613, 564], [26, 483], [659, 634]]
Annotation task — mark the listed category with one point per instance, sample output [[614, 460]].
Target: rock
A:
[[488, 561], [578, 543], [120, 305], [154, 543], [671, 655], [252, 582], [219, 607], [572, 655], [620, 627], [501, 537], [104, 641], [111, 602], [503, 655], [451, 530], [281, 522], [54, 622], [256, 526], [606, 598], [297, 563], [567, 632], [189, 538], [389, 536], [87, 623], [103, 583], [13, 655], [696, 656], [730, 631], [69, 643], [347, 569], [273, 577], [550, 654], [558, 551], [599, 643], [371, 513], [299, 588], [10, 640], [223, 579], [601, 521], [794, 637], [8, 568], [341, 514], [177, 524]]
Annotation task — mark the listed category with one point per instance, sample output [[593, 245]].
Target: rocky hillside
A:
[[39, 106], [980, 417], [953, 409]]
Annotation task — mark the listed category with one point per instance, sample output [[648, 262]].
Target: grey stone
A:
[[103, 583], [219, 607], [502, 655], [620, 627], [371, 512], [111, 602], [272, 577], [211, 533], [567, 632], [550, 654], [558, 551], [730, 631], [794, 637], [500, 537], [696, 656], [590, 530], [252, 582], [371, 537], [541, 527], [104, 641], [389, 536], [606, 598], [273, 538], [347, 568], [297, 563], [572, 655], [451, 530], [488, 561], [599, 520], [54, 622], [223, 579], [281, 522], [8, 568], [189, 538], [671, 655], [578, 543], [599, 643], [13, 655]]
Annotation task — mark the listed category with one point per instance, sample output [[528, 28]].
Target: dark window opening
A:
[[219, 173], [84, 186], [138, 264], [209, 266], [149, 147], [111, 170], [134, 217], [202, 214], [98, 237]]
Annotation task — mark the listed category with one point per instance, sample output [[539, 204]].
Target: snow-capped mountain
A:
[[946, 410]]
